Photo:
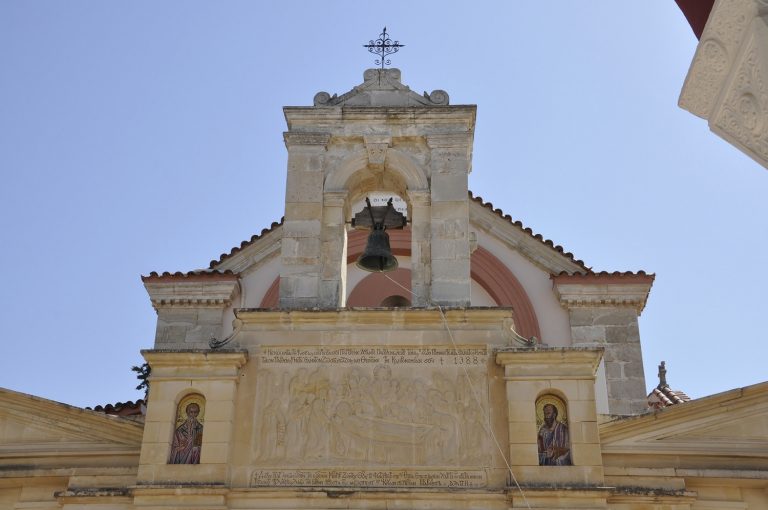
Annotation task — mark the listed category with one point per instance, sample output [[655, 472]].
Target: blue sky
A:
[[141, 136]]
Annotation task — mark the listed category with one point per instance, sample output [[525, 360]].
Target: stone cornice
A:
[[449, 140], [719, 407], [399, 120], [301, 139], [254, 254], [175, 293], [593, 290], [490, 318], [183, 364], [65, 420], [516, 238], [537, 363]]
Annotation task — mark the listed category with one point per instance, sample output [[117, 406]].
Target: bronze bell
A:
[[377, 256]]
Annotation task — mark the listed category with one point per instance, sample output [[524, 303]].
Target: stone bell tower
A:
[[380, 136]]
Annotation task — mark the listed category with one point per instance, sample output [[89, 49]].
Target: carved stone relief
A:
[[372, 407], [743, 112]]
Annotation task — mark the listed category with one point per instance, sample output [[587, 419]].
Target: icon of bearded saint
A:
[[188, 438], [554, 443]]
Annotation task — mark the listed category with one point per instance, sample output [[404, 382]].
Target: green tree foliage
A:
[[143, 372]]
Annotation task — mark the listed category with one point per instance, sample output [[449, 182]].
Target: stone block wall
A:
[[604, 310]]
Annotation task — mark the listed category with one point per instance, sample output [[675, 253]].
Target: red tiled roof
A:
[[606, 277], [123, 408], [538, 237], [664, 396], [246, 243], [477, 199], [191, 275]]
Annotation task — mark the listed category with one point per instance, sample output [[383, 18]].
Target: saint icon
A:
[[553, 438], [188, 437]]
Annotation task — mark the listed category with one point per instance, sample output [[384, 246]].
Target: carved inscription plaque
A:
[[372, 414], [468, 479]]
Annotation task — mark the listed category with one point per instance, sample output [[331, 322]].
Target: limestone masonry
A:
[[490, 370]]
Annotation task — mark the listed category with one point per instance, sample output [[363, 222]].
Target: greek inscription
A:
[[470, 479]]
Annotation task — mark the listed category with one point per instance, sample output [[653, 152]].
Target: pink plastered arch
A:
[[485, 269]]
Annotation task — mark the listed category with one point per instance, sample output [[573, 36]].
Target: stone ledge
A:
[[217, 293], [528, 363], [596, 292]]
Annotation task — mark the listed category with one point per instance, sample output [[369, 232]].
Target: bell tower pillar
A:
[[378, 137], [450, 164]]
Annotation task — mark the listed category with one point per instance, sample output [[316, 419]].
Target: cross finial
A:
[[383, 46]]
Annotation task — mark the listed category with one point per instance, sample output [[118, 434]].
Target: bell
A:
[[377, 256]]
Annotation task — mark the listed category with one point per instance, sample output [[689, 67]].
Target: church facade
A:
[[489, 369]]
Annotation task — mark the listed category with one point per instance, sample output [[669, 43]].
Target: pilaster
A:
[[568, 373], [450, 164], [333, 279], [421, 253], [176, 374], [301, 244]]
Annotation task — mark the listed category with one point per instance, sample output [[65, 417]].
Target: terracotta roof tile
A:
[[198, 274], [246, 243], [607, 276], [664, 396], [529, 231], [477, 199], [128, 408]]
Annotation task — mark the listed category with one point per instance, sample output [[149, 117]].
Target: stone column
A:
[[421, 258], [301, 244], [333, 280], [603, 310], [449, 168]]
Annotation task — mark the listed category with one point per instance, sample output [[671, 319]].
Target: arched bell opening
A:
[[377, 208], [395, 301]]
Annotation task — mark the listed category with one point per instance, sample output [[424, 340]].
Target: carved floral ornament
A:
[[376, 146]]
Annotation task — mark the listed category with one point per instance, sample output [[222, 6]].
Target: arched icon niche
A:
[[553, 437], [187, 441]]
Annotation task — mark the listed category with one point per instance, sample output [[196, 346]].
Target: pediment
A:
[[382, 87], [734, 423], [550, 257], [30, 424]]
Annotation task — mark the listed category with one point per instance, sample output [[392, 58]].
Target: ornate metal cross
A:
[[383, 46]]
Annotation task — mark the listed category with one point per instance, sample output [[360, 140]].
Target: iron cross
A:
[[383, 46]]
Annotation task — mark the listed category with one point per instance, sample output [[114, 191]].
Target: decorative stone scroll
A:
[[385, 408]]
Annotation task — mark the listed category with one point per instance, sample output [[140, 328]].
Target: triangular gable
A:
[[32, 425], [551, 257], [733, 423], [381, 87]]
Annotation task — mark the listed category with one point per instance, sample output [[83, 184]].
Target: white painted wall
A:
[[257, 282], [553, 319]]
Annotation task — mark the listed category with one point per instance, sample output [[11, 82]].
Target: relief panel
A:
[[372, 416]]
